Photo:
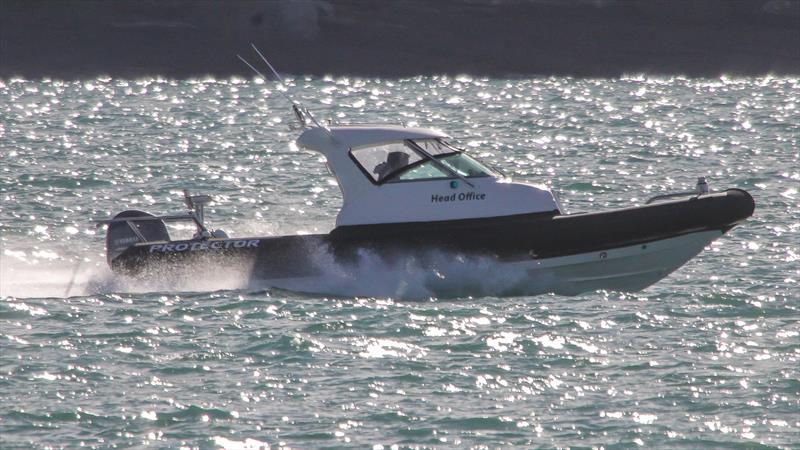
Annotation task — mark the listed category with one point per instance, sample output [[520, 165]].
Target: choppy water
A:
[[707, 358]]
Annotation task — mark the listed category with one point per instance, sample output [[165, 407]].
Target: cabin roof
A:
[[354, 136], [360, 135]]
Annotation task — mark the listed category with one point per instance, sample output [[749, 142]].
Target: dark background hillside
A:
[[181, 38]]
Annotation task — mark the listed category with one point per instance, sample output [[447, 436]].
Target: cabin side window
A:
[[449, 159], [382, 161], [420, 159]]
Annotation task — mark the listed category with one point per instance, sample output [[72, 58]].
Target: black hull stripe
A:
[[542, 235], [548, 234]]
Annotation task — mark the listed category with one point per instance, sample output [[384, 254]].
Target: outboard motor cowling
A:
[[121, 235]]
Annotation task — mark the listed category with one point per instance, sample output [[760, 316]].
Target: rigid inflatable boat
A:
[[409, 191]]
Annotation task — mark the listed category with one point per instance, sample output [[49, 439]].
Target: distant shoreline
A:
[[513, 38]]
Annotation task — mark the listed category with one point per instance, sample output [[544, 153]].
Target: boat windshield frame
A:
[[425, 158]]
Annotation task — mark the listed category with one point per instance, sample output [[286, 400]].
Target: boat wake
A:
[[434, 274], [53, 270], [413, 276]]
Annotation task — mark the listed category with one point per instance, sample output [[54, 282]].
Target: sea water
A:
[[707, 358]]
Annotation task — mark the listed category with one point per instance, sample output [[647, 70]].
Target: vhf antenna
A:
[[300, 111]]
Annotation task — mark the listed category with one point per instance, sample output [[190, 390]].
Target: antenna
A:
[[268, 64], [251, 66], [299, 110], [296, 106]]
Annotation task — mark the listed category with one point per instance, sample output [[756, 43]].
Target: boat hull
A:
[[626, 269], [625, 249], [549, 235], [455, 275]]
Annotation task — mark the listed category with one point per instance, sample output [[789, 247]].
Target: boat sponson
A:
[[539, 235], [551, 234]]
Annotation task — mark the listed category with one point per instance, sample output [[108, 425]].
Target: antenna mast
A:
[[299, 110]]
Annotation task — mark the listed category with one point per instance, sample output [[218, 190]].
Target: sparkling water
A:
[[707, 358]]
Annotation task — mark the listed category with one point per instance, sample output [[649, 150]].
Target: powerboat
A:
[[409, 192]]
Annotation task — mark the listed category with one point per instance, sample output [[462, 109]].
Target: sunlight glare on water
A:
[[707, 358]]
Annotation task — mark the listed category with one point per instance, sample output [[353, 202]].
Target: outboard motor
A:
[[121, 235]]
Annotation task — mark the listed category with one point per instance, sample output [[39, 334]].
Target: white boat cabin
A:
[[394, 174]]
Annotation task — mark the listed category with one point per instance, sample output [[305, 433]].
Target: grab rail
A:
[[700, 189]]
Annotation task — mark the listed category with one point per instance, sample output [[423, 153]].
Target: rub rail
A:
[[700, 189]]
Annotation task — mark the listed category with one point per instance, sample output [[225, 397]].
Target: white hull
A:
[[627, 269]]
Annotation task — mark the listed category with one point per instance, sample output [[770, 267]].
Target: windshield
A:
[[380, 161], [407, 160]]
